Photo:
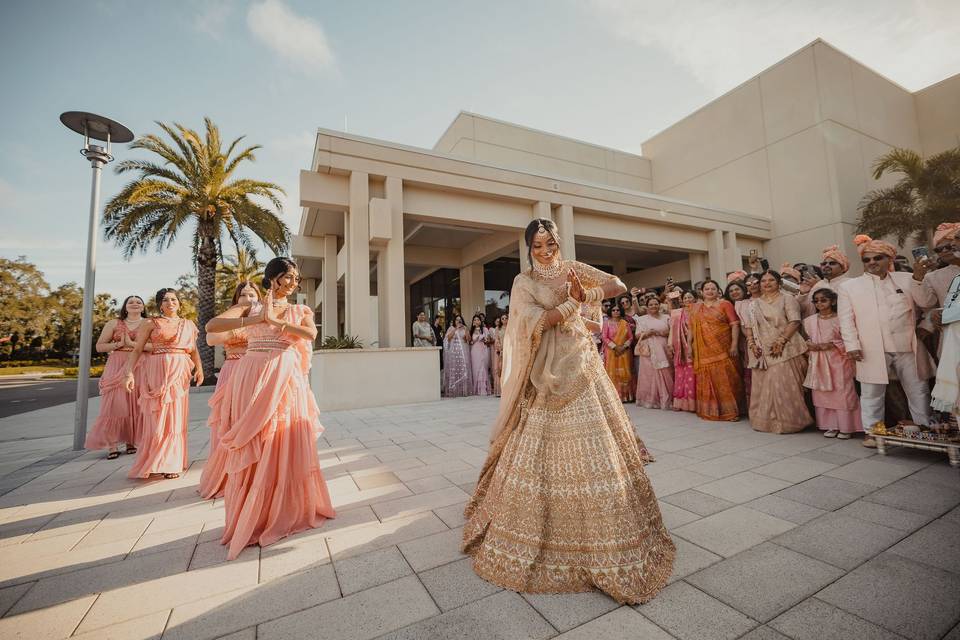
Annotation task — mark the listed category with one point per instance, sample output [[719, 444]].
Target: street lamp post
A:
[[94, 127]]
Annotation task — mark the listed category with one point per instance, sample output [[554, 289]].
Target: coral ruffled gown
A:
[[119, 417], [214, 476], [268, 422], [164, 397]]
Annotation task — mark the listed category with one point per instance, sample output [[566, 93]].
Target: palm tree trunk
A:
[[206, 287]]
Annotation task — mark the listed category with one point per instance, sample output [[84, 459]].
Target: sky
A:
[[611, 72]]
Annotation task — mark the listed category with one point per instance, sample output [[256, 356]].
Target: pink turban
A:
[[866, 244], [946, 231], [833, 253], [736, 275], [787, 270]]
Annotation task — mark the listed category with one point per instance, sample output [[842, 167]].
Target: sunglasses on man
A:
[[867, 260]]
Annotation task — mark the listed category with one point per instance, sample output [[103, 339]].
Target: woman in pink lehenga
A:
[[654, 370], [268, 420], [480, 341], [163, 386], [214, 476], [119, 417], [496, 355], [831, 374], [457, 374], [681, 347]]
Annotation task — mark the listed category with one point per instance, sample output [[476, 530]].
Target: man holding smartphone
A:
[[929, 287], [834, 265]]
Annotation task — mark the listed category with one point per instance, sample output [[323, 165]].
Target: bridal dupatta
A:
[[562, 504]]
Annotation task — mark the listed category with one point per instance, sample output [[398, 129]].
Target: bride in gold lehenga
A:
[[563, 504]]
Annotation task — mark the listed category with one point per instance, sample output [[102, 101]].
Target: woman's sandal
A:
[[130, 450], [113, 455], [171, 476]]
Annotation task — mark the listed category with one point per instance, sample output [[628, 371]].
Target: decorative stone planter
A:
[[361, 378]]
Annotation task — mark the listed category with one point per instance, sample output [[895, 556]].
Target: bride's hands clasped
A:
[[576, 287]]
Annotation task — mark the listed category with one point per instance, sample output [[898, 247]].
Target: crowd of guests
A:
[[805, 344], [470, 357]]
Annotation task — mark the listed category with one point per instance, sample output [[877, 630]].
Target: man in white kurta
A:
[[877, 323], [834, 265]]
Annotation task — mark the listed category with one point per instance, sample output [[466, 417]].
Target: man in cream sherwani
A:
[[878, 325]]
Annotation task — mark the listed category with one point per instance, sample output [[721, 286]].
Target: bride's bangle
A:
[[593, 295], [568, 308]]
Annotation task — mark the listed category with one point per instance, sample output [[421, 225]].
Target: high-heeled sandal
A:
[[113, 455]]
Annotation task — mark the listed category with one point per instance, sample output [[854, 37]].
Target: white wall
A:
[[510, 145]]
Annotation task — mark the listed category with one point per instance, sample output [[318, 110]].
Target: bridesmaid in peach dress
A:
[[268, 420], [234, 343], [119, 419], [164, 386]]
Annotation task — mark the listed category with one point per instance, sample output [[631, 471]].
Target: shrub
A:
[[342, 342]]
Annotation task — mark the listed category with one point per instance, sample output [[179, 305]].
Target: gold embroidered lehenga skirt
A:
[[563, 504]]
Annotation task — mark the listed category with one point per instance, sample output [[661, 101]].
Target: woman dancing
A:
[[119, 417], [234, 343], [163, 385], [562, 504], [268, 420]]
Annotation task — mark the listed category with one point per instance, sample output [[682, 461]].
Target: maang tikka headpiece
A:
[[552, 270]]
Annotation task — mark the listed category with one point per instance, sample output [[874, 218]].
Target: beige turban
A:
[[833, 253], [866, 244], [736, 275], [787, 270], [946, 231]]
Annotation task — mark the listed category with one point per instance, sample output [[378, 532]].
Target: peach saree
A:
[[563, 504]]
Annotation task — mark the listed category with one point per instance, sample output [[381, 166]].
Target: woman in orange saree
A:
[[716, 333], [618, 357], [563, 504]]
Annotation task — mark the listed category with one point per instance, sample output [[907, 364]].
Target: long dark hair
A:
[[532, 229], [276, 268], [775, 274], [158, 299], [829, 294], [243, 284], [123, 307]]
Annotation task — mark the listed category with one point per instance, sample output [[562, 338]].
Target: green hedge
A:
[[72, 372]]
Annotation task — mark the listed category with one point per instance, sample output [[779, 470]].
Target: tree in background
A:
[[23, 291], [234, 270], [927, 194], [194, 185], [37, 321]]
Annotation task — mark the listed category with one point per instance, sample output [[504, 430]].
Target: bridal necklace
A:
[[555, 267]]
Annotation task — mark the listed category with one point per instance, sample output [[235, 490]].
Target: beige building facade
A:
[[776, 165]]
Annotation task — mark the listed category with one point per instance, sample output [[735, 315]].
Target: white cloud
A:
[[297, 39], [724, 42], [212, 18]]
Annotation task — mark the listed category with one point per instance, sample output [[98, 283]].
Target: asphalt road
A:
[[19, 395]]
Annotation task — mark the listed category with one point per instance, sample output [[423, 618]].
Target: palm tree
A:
[[235, 269], [194, 183], [927, 195]]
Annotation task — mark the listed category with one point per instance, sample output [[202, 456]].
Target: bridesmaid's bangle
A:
[[283, 327], [241, 322]]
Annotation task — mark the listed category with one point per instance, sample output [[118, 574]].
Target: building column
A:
[[698, 268], [471, 290], [390, 273], [542, 209], [715, 255], [619, 267], [564, 220], [357, 276], [329, 320], [308, 289], [731, 252]]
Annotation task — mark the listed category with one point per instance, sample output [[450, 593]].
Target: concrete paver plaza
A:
[[793, 536]]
